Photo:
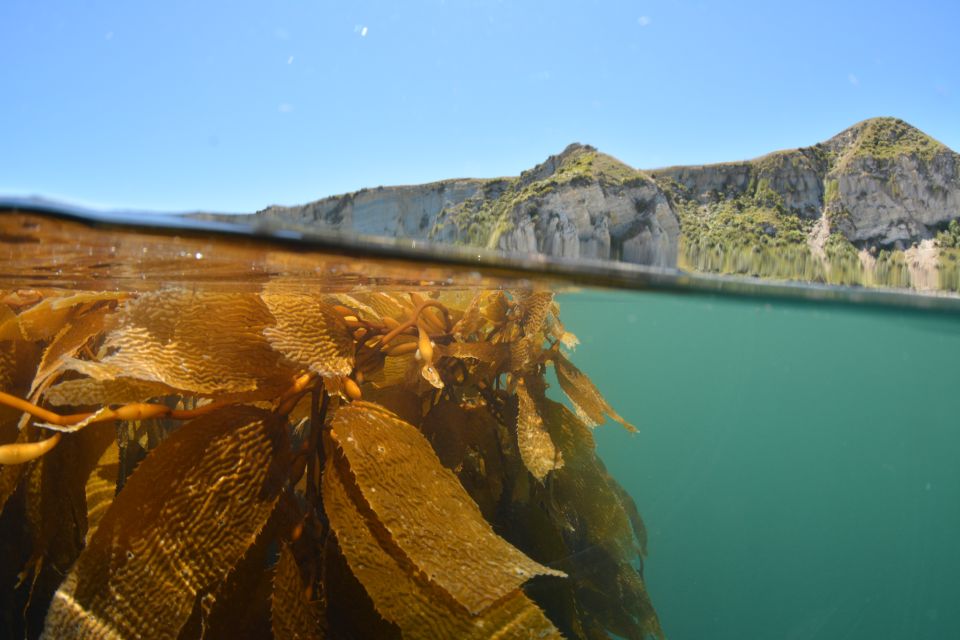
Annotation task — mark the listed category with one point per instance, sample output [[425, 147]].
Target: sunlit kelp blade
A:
[[404, 595], [73, 336], [202, 343], [101, 486], [437, 526], [47, 318], [309, 333], [183, 520], [56, 510], [91, 391], [534, 307]]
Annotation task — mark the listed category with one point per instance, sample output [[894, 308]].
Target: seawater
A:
[[796, 464]]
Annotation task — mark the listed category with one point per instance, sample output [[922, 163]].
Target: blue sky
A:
[[231, 106]]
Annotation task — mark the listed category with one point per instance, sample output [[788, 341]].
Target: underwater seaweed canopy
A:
[[182, 521], [469, 562], [306, 464]]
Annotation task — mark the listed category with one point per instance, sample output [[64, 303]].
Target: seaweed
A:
[[191, 462]]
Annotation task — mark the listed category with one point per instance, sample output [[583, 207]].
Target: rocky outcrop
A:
[[879, 186], [405, 211], [894, 186], [796, 177], [881, 183], [583, 204], [577, 204], [843, 211]]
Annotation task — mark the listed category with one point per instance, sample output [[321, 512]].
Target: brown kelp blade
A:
[[537, 450], [406, 596], [586, 398], [185, 517], [605, 535], [425, 511], [101, 485], [309, 333], [202, 343]]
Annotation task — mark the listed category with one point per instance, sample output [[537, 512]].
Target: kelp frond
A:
[[306, 465]]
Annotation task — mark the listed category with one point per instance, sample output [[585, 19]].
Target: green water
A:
[[797, 465]]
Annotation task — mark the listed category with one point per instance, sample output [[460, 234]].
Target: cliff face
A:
[[894, 185], [853, 210], [577, 204], [845, 211], [407, 211]]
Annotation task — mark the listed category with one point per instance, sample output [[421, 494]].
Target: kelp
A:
[[187, 462]]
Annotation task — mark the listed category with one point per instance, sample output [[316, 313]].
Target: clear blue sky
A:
[[232, 106]]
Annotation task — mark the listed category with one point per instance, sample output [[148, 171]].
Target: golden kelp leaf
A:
[[558, 332], [18, 361], [240, 605], [100, 441], [9, 324], [89, 391], [402, 401], [523, 353], [426, 511], [367, 312], [586, 398], [183, 520], [67, 342], [494, 307], [396, 370], [386, 305], [48, 317], [10, 473], [57, 511], [471, 321], [537, 450], [205, 343], [405, 596], [495, 354], [534, 307], [8, 364], [293, 616], [310, 333]]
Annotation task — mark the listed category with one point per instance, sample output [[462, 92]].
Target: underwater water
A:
[[240, 436], [796, 464]]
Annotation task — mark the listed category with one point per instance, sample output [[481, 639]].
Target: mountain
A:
[[872, 205], [864, 207], [579, 203]]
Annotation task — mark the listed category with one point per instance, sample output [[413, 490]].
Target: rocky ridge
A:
[[864, 207]]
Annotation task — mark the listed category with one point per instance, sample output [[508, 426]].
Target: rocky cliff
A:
[[864, 207], [579, 203]]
